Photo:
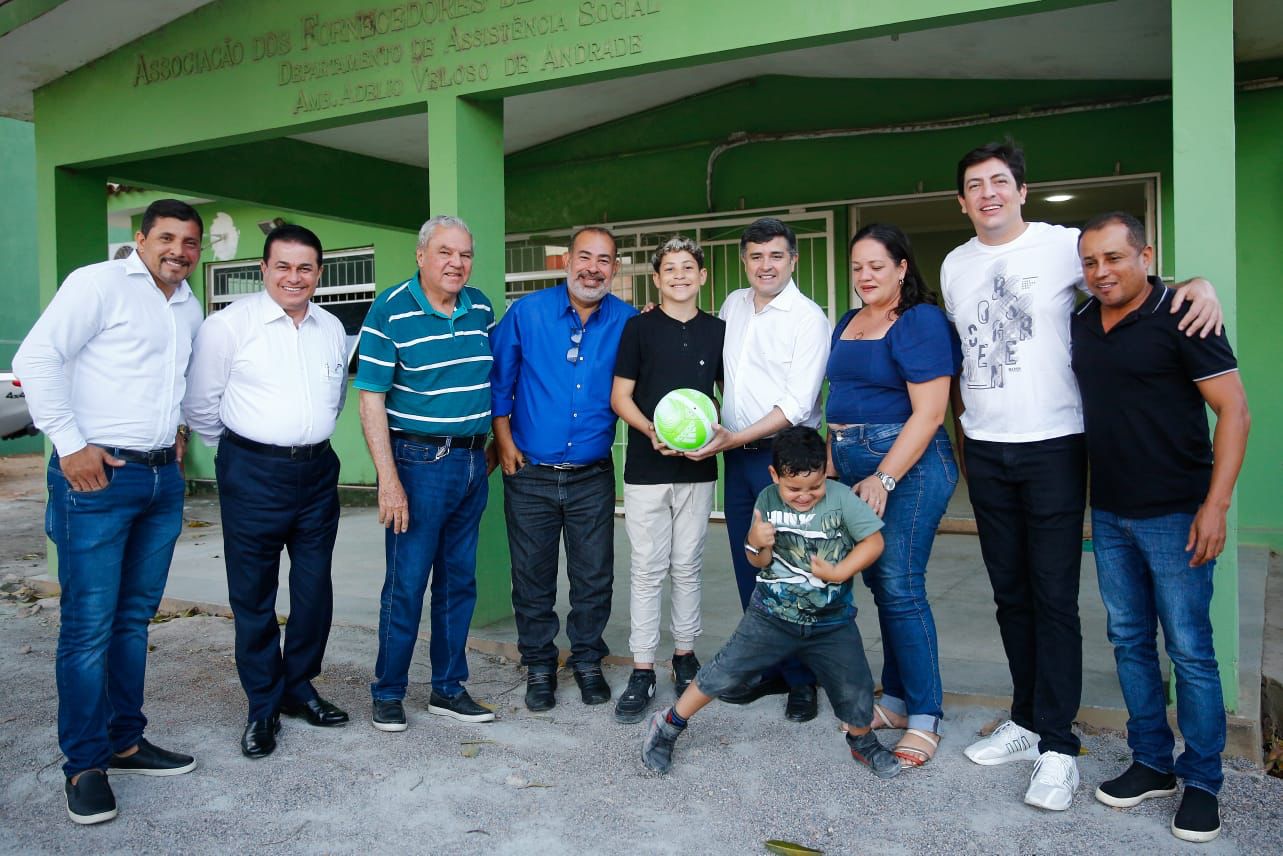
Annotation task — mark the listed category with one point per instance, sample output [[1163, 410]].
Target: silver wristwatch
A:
[[888, 482]]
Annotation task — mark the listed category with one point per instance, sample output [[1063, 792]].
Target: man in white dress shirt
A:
[[268, 379], [777, 347], [104, 371]]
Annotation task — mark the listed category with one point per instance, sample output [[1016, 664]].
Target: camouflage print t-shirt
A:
[[786, 588]]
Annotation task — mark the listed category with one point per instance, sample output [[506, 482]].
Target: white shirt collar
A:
[[269, 310], [134, 266]]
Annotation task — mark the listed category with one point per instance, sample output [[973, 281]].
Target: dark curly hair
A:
[[914, 290]]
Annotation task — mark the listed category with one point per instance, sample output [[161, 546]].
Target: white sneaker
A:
[[1054, 780], [1008, 742]]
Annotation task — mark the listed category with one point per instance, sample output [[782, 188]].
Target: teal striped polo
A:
[[434, 369]]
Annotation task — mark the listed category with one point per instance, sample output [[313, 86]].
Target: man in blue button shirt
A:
[[554, 362]]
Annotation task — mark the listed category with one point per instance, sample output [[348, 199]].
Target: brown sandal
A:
[[916, 756], [882, 719]]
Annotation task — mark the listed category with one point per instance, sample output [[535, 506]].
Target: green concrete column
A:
[[1203, 203], [465, 178]]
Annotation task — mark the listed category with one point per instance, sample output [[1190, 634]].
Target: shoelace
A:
[[1053, 768]]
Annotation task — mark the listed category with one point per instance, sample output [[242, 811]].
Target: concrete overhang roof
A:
[[43, 40]]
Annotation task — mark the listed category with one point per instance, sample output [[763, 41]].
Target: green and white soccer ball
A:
[[684, 419]]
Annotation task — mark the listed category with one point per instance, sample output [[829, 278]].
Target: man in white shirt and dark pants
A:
[[268, 379], [776, 350], [104, 371]]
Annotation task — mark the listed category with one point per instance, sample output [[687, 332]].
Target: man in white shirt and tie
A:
[[268, 379], [104, 372], [776, 350]]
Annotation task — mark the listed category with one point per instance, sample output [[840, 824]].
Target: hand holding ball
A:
[[685, 419]]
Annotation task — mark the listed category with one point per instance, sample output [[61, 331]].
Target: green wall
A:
[[21, 306], [1260, 310]]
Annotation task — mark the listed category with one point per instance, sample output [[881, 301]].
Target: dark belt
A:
[[473, 441], [566, 467], [154, 458], [293, 453], [762, 445]]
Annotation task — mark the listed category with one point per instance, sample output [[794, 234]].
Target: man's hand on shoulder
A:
[[85, 470], [1205, 315]]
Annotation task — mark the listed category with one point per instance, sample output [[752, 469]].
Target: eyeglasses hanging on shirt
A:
[[572, 355]]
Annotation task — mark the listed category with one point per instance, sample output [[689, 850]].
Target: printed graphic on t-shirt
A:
[[1004, 319]]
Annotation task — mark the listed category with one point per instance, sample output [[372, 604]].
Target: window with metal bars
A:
[[347, 288]]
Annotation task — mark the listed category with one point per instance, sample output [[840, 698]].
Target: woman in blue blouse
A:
[[889, 371]]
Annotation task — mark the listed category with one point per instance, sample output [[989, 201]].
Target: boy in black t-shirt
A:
[[807, 544], [667, 498]]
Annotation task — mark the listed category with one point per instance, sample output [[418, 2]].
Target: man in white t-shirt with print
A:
[[1010, 292]]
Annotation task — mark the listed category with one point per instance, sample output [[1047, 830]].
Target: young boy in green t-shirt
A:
[[807, 545]]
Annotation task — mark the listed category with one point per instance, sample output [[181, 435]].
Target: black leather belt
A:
[[762, 445], [566, 467], [154, 458], [473, 441], [293, 453]]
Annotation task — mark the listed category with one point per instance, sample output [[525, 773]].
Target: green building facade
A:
[[532, 117]]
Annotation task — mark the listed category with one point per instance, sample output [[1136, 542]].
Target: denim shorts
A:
[[834, 652]]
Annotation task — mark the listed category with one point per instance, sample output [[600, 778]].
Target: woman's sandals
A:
[[911, 755]]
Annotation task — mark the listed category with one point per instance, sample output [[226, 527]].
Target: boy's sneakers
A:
[[90, 799], [1054, 780], [636, 696], [661, 736], [685, 667], [869, 751], [1135, 786], [1199, 817], [1008, 742]]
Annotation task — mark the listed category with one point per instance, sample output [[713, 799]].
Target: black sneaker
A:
[[869, 751], [460, 707], [90, 799], [636, 697], [593, 688], [1199, 817], [1136, 785], [657, 748], [389, 714], [541, 690], [151, 760], [685, 667]]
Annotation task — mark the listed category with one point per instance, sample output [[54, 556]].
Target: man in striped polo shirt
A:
[[424, 381]]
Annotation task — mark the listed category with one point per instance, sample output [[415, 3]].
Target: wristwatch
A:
[[756, 551], [888, 482]]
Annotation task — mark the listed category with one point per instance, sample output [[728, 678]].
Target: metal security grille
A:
[[534, 262], [347, 288]]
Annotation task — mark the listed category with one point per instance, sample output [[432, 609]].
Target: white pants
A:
[[666, 526]]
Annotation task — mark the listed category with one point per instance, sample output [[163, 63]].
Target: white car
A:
[[15, 420]]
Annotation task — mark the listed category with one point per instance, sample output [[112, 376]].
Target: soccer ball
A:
[[684, 419]]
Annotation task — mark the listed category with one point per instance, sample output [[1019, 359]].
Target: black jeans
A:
[[1029, 500], [271, 504], [540, 504]]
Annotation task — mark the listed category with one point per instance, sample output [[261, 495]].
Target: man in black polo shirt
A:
[[667, 497], [1159, 496]]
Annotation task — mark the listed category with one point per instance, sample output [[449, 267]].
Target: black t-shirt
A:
[[1147, 431], [662, 354]]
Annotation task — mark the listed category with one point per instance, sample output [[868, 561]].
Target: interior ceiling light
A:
[[1060, 197]]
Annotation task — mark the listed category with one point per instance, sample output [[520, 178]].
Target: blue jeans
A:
[[898, 579], [541, 506], [446, 489], [114, 548], [1145, 578], [746, 477]]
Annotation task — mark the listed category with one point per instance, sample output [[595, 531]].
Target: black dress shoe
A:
[[593, 688], [751, 692], [317, 711], [803, 703], [541, 690], [259, 739]]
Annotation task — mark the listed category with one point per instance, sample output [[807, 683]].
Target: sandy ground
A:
[[565, 782]]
